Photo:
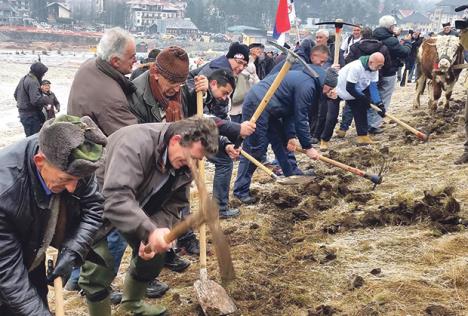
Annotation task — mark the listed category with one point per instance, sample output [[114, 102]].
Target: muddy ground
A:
[[337, 247]]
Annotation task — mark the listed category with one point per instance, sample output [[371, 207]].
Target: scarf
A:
[[172, 106], [365, 62], [127, 86]]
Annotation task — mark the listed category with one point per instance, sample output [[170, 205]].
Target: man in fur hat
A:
[[447, 30], [30, 100], [48, 197]]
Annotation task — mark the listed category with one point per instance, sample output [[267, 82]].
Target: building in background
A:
[[58, 13], [142, 14]]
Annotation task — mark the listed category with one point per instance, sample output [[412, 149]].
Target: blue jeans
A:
[[269, 130], [386, 88], [222, 178], [117, 245], [32, 122]]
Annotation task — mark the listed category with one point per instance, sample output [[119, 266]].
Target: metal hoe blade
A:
[[295, 180]]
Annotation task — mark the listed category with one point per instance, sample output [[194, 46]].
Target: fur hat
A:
[[173, 64], [331, 78], [445, 24], [238, 50], [73, 144]]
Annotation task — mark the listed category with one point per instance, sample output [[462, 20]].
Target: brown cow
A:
[[436, 58]]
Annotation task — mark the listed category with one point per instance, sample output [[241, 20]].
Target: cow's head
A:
[[447, 47]]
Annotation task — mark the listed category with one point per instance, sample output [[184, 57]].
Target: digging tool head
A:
[[338, 23], [212, 297], [295, 180], [296, 57]]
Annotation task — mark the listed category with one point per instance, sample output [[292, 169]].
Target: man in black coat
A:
[[30, 100], [53, 105], [48, 197], [398, 53]]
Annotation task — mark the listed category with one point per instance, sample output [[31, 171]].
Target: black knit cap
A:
[[43, 82], [253, 45], [238, 50]]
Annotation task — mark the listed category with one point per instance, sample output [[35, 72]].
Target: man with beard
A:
[[29, 99]]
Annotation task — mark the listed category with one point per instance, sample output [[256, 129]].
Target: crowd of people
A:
[[113, 172]]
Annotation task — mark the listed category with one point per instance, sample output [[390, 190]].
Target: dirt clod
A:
[[356, 282], [438, 310]]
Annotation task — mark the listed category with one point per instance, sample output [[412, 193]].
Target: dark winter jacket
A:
[[398, 52], [264, 66], [148, 110], [297, 93], [303, 51], [214, 109], [24, 213], [135, 174], [415, 44], [366, 47], [28, 93]]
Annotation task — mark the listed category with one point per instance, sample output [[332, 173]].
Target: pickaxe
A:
[[338, 23]]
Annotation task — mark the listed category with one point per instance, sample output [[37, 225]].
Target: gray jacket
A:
[[135, 171]]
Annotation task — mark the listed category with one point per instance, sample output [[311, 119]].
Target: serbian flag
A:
[[282, 24]]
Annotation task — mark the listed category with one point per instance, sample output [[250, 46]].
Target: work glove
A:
[[381, 106], [65, 263]]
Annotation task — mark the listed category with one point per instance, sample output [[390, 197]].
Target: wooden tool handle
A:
[[59, 303], [271, 91], [336, 163], [258, 164], [418, 134], [343, 166], [178, 230], [336, 57], [201, 172], [199, 103]]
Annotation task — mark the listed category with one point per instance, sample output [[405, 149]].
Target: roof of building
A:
[[416, 18], [63, 5]]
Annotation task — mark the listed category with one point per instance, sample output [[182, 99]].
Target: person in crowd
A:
[[366, 47], [410, 61], [146, 63], [352, 39], [357, 84], [145, 182], [102, 80], [398, 53], [462, 25], [60, 207], [53, 105], [285, 117], [149, 105], [448, 30], [30, 100]]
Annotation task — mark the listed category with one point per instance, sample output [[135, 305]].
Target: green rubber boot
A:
[[132, 299], [100, 308]]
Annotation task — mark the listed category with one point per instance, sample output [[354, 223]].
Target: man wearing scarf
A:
[[162, 96], [100, 88]]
